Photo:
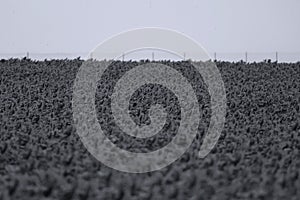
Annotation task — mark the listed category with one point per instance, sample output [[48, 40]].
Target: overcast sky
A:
[[219, 25]]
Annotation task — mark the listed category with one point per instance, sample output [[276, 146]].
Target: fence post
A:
[[152, 56], [215, 56], [276, 56]]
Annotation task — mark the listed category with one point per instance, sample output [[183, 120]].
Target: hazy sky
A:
[[79, 25]]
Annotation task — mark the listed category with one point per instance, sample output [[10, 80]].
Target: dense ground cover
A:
[[257, 156]]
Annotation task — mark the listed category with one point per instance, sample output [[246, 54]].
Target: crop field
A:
[[256, 157]]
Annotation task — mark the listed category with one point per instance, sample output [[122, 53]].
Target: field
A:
[[256, 157]]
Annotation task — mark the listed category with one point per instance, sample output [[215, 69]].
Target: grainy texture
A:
[[257, 156]]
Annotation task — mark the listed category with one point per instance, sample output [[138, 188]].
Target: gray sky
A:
[[69, 26]]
